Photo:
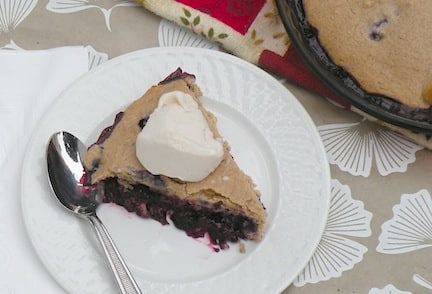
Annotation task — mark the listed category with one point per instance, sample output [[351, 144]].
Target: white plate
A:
[[273, 139]]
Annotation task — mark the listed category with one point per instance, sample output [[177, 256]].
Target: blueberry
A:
[[376, 29]]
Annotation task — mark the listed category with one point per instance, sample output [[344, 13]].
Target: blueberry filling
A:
[[221, 227], [143, 122], [108, 130], [376, 33], [176, 75]]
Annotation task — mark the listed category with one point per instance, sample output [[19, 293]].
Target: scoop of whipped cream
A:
[[177, 141]]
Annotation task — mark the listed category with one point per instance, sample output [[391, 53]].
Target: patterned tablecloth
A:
[[379, 230]]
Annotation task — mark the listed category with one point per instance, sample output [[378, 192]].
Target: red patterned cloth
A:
[[239, 14]]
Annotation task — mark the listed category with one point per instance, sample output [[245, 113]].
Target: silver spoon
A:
[[64, 158]]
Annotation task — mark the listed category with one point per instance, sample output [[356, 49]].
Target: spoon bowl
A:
[[66, 172], [65, 154]]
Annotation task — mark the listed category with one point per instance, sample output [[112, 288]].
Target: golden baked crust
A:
[[385, 45], [228, 185]]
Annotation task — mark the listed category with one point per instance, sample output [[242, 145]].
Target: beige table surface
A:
[[379, 244]]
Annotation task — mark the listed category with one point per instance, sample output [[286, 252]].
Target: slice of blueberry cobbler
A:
[[225, 205]]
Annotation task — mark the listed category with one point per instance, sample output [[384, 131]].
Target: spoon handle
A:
[[122, 274]]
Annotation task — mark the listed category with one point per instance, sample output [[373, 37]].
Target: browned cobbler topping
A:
[[384, 45], [225, 205]]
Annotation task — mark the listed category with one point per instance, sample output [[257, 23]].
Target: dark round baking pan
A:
[[304, 38]]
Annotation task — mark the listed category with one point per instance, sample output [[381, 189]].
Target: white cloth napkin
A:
[[29, 82]]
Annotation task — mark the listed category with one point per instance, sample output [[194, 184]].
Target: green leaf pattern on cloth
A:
[[193, 22]]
